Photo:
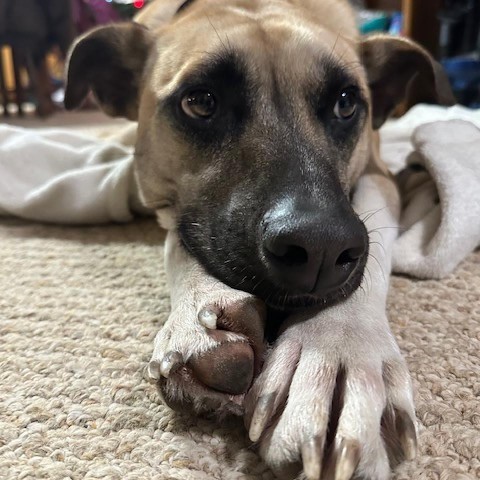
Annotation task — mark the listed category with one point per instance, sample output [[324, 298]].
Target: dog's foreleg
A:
[[208, 351], [335, 394]]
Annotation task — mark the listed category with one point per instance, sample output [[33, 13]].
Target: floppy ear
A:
[[109, 61], [398, 69]]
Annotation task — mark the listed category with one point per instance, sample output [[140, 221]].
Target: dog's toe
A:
[[206, 358], [337, 413], [208, 317]]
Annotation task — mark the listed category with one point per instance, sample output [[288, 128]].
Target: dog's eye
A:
[[346, 104], [199, 104]]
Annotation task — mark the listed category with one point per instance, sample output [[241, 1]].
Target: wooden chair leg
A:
[[19, 92], [3, 87], [41, 84]]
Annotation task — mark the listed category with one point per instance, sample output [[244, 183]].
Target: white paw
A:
[[335, 400], [209, 351]]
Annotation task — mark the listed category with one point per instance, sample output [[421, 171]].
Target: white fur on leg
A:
[[341, 355]]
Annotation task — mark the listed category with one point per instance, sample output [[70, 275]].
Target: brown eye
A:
[[199, 104], [346, 104]]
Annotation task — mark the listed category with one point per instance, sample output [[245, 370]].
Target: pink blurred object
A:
[[89, 13]]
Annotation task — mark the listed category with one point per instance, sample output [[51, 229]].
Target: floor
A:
[[81, 118]]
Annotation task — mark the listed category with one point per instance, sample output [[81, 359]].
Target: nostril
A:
[[289, 255], [295, 255], [351, 255]]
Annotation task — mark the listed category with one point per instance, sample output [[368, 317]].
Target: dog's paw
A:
[[209, 351], [336, 402]]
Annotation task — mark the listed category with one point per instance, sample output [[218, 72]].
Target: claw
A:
[[407, 434], [261, 416], [312, 457], [153, 370], [170, 361], [208, 318], [347, 459]]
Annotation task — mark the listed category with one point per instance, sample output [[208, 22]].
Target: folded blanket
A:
[[396, 134], [66, 177], [436, 153], [440, 221]]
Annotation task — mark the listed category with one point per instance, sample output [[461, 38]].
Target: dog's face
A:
[[252, 132], [267, 129]]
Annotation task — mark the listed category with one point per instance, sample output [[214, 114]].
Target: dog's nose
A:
[[304, 255]]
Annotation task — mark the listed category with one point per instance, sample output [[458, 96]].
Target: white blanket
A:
[[66, 177], [440, 222]]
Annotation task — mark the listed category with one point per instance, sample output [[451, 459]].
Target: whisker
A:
[[369, 287], [258, 284], [363, 291], [367, 211], [368, 217], [379, 264], [379, 244], [335, 44], [383, 228], [218, 35]]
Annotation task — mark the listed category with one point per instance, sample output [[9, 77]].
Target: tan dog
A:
[[256, 148]]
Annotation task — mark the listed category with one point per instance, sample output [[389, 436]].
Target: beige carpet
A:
[[78, 312]]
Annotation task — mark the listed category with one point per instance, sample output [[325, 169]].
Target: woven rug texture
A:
[[79, 308]]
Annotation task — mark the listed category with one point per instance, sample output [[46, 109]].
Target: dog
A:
[[257, 148]]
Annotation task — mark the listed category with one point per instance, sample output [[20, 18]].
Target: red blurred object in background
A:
[[139, 3]]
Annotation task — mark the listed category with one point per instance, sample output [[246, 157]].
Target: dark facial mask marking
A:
[[260, 157]]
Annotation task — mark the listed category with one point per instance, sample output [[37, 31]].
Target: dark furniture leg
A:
[[3, 87], [19, 93]]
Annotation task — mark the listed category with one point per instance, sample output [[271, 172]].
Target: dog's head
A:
[[254, 124]]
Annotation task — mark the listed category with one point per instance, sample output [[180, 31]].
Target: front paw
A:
[[209, 351], [337, 404]]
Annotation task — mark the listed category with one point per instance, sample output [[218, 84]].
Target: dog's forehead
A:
[[294, 50]]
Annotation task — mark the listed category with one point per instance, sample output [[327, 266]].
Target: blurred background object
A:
[[28, 30], [449, 29], [35, 36], [459, 44]]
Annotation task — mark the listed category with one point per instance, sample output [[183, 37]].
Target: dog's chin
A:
[[284, 301]]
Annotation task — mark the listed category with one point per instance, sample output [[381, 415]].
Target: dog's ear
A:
[[110, 62], [398, 69]]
